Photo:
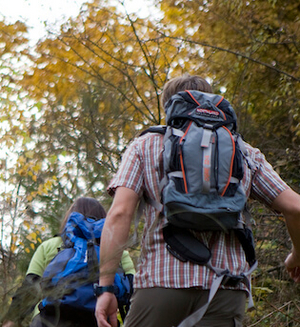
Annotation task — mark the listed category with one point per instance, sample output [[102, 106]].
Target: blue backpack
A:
[[68, 280]]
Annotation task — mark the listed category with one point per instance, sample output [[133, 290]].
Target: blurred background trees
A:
[[70, 106]]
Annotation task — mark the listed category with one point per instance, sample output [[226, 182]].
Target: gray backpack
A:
[[201, 190], [203, 163]]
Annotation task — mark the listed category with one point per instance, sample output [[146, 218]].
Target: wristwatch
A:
[[98, 290]]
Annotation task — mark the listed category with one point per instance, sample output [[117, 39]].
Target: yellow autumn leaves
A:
[[33, 238], [31, 169]]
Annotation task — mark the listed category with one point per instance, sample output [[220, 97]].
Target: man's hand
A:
[[292, 264], [106, 310], [288, 203], [8, 324]]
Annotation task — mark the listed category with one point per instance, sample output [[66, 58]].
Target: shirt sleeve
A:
[[266, 183], [130, 172]]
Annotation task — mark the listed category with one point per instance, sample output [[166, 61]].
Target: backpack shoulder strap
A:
[[161, 129], [245, 153]]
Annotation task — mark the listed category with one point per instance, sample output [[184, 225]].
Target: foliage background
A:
[[70, 105]]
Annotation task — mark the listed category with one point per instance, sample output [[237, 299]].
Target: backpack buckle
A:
[[90, 243], [232, 280]]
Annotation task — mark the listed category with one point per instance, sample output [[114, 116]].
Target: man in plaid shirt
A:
[[168, 290]]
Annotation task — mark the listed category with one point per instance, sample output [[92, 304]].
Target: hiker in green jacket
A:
[[29, 294]]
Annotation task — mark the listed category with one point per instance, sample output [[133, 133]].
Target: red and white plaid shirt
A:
[[141, 170]]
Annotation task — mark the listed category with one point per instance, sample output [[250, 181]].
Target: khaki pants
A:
[[162, 307]]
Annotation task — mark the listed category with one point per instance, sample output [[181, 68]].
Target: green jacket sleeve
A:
[[43, 255], [127, 263]]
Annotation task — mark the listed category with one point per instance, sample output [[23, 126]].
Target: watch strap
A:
[[98, 290]]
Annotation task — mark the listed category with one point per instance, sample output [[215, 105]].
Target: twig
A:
[[285, 314], [269, 314], [278, 268]]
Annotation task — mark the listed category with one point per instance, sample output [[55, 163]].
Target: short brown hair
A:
[[89, 207], [185, 82]]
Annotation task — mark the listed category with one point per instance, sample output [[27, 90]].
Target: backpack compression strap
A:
[[206, 145]]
